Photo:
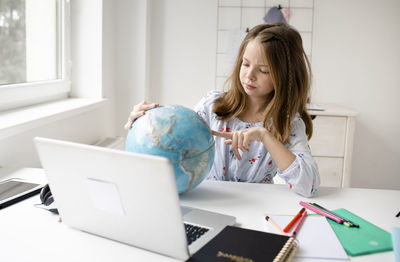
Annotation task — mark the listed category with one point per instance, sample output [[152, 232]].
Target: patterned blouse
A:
[[257, 165]]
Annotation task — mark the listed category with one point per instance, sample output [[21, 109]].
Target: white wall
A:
[[356, 62], [183, 41], [166, 52], [130, 57]]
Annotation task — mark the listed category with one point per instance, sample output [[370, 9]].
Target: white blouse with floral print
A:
[[257, 165]]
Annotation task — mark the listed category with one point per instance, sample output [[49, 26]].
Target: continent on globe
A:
[[179, 134]]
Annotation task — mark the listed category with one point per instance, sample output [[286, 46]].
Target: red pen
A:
[[294, 220], [296, 230]]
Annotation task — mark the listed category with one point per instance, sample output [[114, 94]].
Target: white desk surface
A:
[[28, 233]]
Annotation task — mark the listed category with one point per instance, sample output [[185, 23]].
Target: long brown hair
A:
[[290, 74]]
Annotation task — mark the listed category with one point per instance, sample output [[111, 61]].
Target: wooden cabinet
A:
[[332, 144]]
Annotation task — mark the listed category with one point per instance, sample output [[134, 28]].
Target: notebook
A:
[[131, 197], [366, 239], [240, 244]]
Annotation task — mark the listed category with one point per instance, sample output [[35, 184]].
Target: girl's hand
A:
[[242, 138], [137, 111]]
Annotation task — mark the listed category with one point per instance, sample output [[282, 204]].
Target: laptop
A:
[[128, 197]]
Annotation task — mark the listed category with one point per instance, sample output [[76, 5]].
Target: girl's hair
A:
[[290, 74]]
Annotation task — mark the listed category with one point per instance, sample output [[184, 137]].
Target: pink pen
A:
[[296, 230], [321, 212]]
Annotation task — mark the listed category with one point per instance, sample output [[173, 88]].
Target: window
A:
[[34, 53]]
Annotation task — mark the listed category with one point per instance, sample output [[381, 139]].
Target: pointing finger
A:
[[222, 134]]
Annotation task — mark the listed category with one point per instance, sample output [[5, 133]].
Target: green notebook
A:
[[366, 239]]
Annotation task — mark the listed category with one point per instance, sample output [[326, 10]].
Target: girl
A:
[[261, 123]]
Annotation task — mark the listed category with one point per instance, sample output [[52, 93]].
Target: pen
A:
[[294, 220], [346, 222], [296, 230], [321, 212], [274, 224]]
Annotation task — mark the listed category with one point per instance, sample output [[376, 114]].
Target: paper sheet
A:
[[316, 238]]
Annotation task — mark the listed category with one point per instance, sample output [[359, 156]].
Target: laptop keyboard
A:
[[194, 232]]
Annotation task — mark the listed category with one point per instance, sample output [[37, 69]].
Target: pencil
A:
[[294, 220], [274, 224]]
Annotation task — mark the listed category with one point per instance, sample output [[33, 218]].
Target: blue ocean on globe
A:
[[179, 134]]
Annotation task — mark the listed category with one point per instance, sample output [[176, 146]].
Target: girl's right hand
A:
[[137, 111], [241, 139]]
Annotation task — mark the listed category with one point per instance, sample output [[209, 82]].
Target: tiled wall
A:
[[242, 14]]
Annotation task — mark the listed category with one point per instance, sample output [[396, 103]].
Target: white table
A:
[[28, 233]]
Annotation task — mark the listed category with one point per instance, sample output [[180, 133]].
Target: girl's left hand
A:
[[242, 138]]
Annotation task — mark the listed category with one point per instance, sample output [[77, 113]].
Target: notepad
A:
[[316, 238], [366, 239]]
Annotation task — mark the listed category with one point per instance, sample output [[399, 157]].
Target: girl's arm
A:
[[294, 161], [282, 156], [303, 173]]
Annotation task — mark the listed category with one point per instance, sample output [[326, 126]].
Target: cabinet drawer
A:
[[330, 171], [329, 136]]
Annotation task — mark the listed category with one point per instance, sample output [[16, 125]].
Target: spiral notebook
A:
[[240, 244]]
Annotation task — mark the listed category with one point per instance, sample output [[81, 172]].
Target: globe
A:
[[179, 134]]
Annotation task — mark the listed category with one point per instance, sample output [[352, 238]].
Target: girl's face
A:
[[254, 72]]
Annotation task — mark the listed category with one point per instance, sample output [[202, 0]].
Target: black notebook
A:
[[245, 245]]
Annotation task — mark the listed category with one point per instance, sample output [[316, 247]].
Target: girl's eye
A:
[[264, 72], [244, 64]]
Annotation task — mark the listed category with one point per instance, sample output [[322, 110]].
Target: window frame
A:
[[14, 96]]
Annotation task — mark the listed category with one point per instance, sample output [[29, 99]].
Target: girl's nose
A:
[[251, 75]]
